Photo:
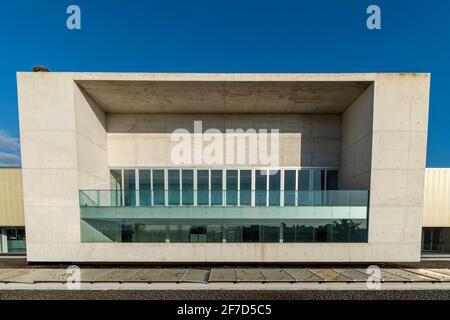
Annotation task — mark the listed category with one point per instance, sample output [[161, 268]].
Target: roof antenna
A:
[[40, 69]]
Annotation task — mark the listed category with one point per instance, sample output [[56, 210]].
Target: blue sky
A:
[[228, 36]]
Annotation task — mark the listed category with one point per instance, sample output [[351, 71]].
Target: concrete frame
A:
[[68, 144]]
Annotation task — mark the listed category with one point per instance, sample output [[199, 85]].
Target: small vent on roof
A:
[[40, 69]]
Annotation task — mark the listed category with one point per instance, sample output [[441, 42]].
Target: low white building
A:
[[139, 167]]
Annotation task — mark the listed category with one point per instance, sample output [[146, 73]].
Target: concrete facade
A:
[[75, 126]]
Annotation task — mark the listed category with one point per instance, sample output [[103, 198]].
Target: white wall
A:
[[144, 140], [357, 143], [400, 123]]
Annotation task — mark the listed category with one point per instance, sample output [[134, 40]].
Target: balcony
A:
[[123, 214]]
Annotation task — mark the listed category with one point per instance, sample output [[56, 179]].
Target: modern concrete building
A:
[[12, 224], [436, 213], [140, 167]]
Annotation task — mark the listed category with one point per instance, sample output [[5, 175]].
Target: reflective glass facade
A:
[[228, 187], [301, 231], [229, 205]]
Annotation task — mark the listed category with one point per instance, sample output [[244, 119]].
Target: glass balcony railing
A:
[[223, 198]]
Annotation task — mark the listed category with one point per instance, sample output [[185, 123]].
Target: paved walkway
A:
[[215, 277]]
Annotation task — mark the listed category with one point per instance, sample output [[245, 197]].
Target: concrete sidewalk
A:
[[231, 277]]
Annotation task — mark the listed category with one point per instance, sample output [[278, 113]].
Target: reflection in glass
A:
[[129, 187], [188, 187], [250, 233], [245, 186], [233, 233], [214, 233], [304, 186], [179, 233], [174, 187], [289, 187], [232, 186], [144, 188], [332, 180], [274, 188], [301, 231], [126, 232], [203, 187], [270, 233], [216, 187], [158, 187], [116, 187], [260, 187], [150, 233]]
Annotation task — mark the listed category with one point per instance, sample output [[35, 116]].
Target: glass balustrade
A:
[[226, 198]]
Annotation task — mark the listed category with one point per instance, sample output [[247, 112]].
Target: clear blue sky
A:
[[228, 36]]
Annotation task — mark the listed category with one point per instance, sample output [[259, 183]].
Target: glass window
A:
[[323, 232], [304, 180], [332, 180], [318, 181], [216, 187], [250, 233], [288, 232], [245, 186], [126, 231], [150, 233], [233, 233], [174, 187], [188, 187], [15, 240], [198, 234], [214, 233], [270, 233], [358, 231], [318, 185], [304, 187], [274, 188], [289, 187], [129, 182], [144, 188], [116, 179], [179, 233], [298, 232], [341, 230], [116, 187], [304, 232], [260, 187], [232, 187], [202, 187], [158, 187]]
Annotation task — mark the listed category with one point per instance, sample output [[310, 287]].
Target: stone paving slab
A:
[[17, 275], [413, 277], [354, 275], [95, 275], [431, 274], [329, 275], [196, 275], [250, 275], [45, 276], [303, 275], [144, 275], [276, 275], [387, 277], [170, 275], [223, 275], [441, 271], [116, 275]]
